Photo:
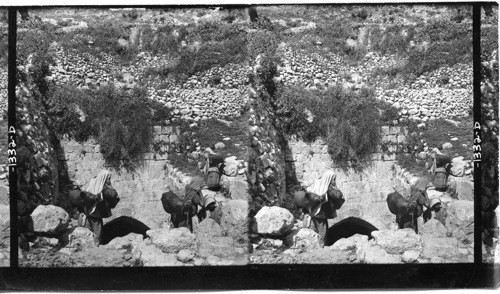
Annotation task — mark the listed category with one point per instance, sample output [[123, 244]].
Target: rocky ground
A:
[[73, 246], [279, 238]]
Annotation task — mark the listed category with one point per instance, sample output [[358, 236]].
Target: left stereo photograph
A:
[[129, 152]]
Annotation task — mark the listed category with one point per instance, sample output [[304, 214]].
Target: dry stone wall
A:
[[215, 93], [443, 93], [266, 159], [3, 90], [38, 179], [266, 173]]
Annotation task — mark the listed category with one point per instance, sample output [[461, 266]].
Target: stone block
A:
[[393, 130], [397, 242], [49, 219], [275, 221], [172, 241], [376, 255], [402, 139], [385, 130], [389, 157], [167, 130], [150, 255], [174, 139], [161, 156]]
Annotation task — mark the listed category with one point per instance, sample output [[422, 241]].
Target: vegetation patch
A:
[[434, 135], [207, 134], [349, 121], [120, 121]]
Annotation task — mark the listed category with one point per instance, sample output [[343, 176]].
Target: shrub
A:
[[361, 13], [489, 41], [34, 42], [121, 121], [449, 44], [348, 121], [161, 41], [334, 35], [221, 44], [262, 42], [105, 38], [64, 115]]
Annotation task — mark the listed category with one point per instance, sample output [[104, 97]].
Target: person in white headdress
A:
[[101, 209], [331, 200]]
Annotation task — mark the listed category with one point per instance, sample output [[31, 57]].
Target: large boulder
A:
[[397, 242], [150, 255], [49, 220], [352, 243], [4, 226], [129, 241], [410, 256], [231, 166], [458, 166], [172, 241], [376, 255], [460, 220], [306, 238], [432, 193], [274, 221], [433, 228], [439, 247], [234, 220], [185, 255], [78, 237]]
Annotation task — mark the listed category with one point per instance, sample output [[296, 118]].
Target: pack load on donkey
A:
[[213, 170]]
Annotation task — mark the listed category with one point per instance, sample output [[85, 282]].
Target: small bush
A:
[[105, 38], [262, 42], [348, 121], [161, 41], [449, 44], [131, 15], [121, 121], [361, 13], [34, 42]]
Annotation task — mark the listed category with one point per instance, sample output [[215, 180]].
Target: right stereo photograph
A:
[[361, 135]]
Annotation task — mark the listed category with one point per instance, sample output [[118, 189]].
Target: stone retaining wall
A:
[[266, 165], [443, 93], [140, 191], [215, 93], [365, 192]]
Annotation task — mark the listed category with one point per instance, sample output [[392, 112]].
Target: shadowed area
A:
[[347, 228], [122, 226]]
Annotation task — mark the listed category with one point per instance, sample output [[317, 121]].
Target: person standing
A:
[[332, 199], [102, 208]]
